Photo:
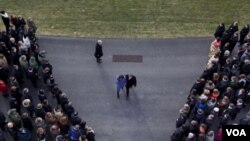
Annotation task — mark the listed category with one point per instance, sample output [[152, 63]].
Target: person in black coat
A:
[[33, 76], [27, 123], [219, 31], [6, 20], [69, 109], [233, 41], [46, 106], [39, 111], [98, 51], [41, 95], [131, 81], [14, 105], [75, 119], [4, 74], [243, 33], [232, 28]]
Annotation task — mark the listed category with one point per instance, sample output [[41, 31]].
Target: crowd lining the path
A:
[[222, 90], [27, 83]]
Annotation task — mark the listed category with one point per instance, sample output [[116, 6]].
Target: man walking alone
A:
[[98, 51]]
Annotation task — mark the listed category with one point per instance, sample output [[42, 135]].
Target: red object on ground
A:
[[3, 87]]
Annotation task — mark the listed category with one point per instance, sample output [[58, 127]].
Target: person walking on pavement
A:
[[130, 82], [98, 51], [120, 83]]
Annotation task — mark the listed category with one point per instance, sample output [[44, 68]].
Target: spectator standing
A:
[[6, 20]]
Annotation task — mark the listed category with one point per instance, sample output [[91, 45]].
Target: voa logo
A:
[[236, 132]]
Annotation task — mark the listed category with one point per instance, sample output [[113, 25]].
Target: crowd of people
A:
[[32, 115], [222, 90]]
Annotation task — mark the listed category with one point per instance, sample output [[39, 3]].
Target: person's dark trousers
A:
[[98, 60], [127, 91], [118, 96]]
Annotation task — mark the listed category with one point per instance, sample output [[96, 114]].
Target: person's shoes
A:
[[118, 96]]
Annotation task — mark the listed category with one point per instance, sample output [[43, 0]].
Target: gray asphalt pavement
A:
[[165, 76]]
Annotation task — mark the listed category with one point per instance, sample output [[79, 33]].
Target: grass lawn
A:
[[129, 18]]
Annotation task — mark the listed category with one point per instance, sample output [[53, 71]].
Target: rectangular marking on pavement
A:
[[128, 58]]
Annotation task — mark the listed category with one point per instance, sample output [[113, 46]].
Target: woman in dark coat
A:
[[98, 51]]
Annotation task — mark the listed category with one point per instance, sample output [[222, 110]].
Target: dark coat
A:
[[40, 113], [91, 136], [13, 104], [219, 31], [2, 120], [47, 108], [75, 120], [4, 74], [233, 41], [27, 123], [232, 29], [243, 33], [131, 81], [69, 110], [98, 51]]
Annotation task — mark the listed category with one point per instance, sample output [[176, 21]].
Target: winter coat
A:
[[27, 123], [24, 64], [91, 136], [33, 63], [219, 31], [98, 51], [4, 74], [74, 133], [2, 119], [24, 135], [40, 113], [131, 81], [69, 109], [3, 87], [14, 117], [75, 120], [120, 82]]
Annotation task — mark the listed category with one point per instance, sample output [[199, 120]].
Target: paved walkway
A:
[[165, 77]]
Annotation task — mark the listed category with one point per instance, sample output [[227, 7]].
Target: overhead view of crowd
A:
[[221, 92], [38, 109]]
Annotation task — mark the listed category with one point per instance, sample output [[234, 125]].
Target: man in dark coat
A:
[[233, 41], [219, 31], [33, 76], [232, 28], [243, 33], [75, 119], [39, 111], [98, 51], [6, 20], [27, 122], [69, 109], [131, 81]]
